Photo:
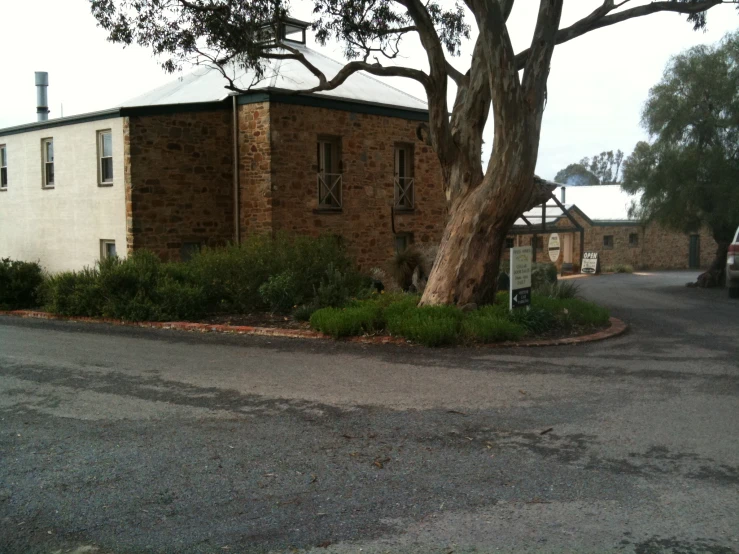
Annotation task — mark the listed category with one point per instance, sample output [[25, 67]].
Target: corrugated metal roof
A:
[[601, 203], [206, 84]]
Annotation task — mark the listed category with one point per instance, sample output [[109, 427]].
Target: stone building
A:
[[191, 164], [602, 212]]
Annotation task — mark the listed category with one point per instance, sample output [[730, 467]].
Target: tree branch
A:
[[599, 18]]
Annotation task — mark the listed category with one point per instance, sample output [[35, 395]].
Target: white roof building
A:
[[207, 84]]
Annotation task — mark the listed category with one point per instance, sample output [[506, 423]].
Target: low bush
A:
[[405, 264], [428, 325], [619, 268], [19, 284], [479, 327], [543, 273], [346, 322], [559, 289], [138, 288], [256, 275]]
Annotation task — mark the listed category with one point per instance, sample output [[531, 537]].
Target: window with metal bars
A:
[[329, 173], [404, 182]]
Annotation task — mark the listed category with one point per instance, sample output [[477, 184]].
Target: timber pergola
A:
[[535, 229]]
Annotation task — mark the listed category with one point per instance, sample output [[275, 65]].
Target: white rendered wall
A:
[[62, 227]]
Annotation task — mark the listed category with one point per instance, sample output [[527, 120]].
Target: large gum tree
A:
[[482, 205]]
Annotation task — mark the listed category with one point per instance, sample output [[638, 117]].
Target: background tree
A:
[[602, 169], [482, 206], [689, 174]]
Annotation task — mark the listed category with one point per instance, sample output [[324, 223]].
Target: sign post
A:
[[554, 247], [589, 263], [520, 287]]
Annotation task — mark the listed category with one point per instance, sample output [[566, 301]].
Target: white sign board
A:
[[554, 247], [520, 289], [589, 263]]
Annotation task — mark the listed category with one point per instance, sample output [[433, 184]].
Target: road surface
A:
[[118, 440]]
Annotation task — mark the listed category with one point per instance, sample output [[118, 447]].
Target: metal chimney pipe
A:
[[42, 100], [562, 194]]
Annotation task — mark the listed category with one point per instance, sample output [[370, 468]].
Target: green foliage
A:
[[688, 174], [576, 174], [542, 273], [19, 284], [601, 169], [73, 293], [280, 291], [619, 268], [291, 269], [428, 325], [405, 264], [560, 289], [345, 322], [304, 311], [536, 320], [479, 327], [138, 288]]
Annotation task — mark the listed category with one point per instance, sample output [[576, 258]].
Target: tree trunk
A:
[[716, 274], [466, 267]]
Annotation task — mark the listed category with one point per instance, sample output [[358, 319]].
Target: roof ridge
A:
[[367, 75]]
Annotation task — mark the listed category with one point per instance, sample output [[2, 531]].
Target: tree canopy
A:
[[689, 173], [601, 169]]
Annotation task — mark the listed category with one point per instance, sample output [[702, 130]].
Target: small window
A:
[[329, 174], [608, 241], [403, 241], [105, 157], [107, 249], [509, 242], [633, 239], [404, 182], [3, 167], [47, 151], [188, 250]]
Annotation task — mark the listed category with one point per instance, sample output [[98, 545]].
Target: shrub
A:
[[405, 264], [428, 325], [581, 312], [536, 320], [619, 268], [138, 288], [19, 284], [280, 292], [73, 293], [560, 289], [543, 273], [346, 322], [233, 275], [303, 312], [479, 327]]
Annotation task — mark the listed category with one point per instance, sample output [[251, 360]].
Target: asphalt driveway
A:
[[119, 440]]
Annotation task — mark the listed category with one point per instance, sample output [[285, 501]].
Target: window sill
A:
[[404, 210], [323, 211], [3, 189], [48, 187], [105, 184]]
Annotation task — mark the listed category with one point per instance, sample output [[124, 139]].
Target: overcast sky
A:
[[597, 86]]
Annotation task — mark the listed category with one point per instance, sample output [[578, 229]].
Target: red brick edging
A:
[[617, 327]]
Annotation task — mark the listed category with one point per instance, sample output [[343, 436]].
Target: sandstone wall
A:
[[255, 169], [181, 178], [367, 155]]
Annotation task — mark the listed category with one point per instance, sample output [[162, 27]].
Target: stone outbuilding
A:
[[603, 224]]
